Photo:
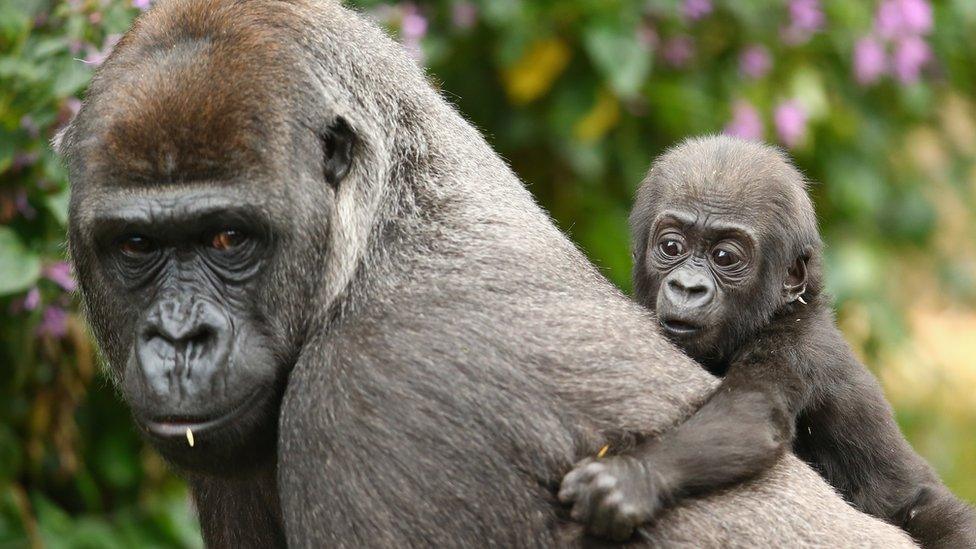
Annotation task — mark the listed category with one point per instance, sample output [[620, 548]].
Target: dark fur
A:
[[443, 354], [790, 380]]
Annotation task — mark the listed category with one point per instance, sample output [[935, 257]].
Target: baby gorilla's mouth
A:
[[678, 327]]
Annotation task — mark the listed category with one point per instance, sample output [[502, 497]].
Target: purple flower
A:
[[678, 51], [54, 322], [464, 15], [23, 160], [911, 55], [916, 16], [29, 302], [806, 18], [647, 36], [869, 60], [60, 273], [29, 125], [23, 205], [413, 27], [790, 120], [898, 18], [806, 15], [754, 61], [693, 10], [32, 299], [746, 122], [142, 4]]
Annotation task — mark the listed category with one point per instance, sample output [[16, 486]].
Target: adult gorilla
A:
[[284, 235]]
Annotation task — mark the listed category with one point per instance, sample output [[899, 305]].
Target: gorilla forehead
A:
[[729, 177], [163, 108]]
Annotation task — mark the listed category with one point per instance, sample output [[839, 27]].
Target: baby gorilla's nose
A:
[[689, 290], [182, 343]]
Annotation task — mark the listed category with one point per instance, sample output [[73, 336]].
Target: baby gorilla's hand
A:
[[612, 496]]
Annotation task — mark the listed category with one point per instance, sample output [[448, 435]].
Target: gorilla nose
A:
[[690, 290], [182, 344]]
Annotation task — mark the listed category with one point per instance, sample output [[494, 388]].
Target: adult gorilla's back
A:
[[449, 353]]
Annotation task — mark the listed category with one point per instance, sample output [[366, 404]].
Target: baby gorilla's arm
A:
[[739, 432]]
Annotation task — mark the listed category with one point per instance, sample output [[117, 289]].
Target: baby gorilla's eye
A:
[[672, 248], [136, 245], [227, 239], [725, 258]]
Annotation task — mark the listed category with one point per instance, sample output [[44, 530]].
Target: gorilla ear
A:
[[796, 280], [337, 145]]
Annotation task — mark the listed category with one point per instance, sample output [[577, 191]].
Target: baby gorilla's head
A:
[[724, 235]]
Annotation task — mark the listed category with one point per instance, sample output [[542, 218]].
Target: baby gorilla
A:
[[728, 254]]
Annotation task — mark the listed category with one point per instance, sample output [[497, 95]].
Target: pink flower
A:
[[60, 274], [869, 60], [647, 36], [413, 28], [142, 4], [464, 15], [32, 299], [806, 18], [898, 18], [23, 205], [790, 120], [414, 25], [678, 51], [746, 122], [755, 62], [911, 55], [54, 322], [916, 16], [693, 10]]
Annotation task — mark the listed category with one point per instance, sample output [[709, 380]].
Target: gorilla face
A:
[[183, 271], [203, 198], [721, 244]]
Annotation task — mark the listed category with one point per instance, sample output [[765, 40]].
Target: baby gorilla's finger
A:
[[624, 522], [592, 494], [602, 521], [574, 481]]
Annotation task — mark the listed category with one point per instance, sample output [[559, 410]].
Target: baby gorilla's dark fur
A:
[[728, 254]]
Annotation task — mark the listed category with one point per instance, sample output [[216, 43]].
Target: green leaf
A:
[[19, 267], [620, 55], [57, 204]]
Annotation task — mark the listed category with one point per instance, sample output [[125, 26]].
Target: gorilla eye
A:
[[136, 245], [227, 239], [672, 248], [725, 258]]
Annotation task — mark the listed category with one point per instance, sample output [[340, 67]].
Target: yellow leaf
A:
[[599, 120], [533, 74]]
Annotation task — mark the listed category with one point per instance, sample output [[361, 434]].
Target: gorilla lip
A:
[[679, 327], [176, 426]]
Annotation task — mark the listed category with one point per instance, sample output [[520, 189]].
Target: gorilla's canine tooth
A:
[[189, 437]]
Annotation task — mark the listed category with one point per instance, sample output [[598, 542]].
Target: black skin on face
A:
[[727, 254]]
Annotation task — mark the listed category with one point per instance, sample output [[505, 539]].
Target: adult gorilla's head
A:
[[208, 170], [724, 236]]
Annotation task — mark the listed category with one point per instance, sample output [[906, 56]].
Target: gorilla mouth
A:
[[176, 425], [678, 327]]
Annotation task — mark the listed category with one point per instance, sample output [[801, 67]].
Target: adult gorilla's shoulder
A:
[[418, 355]]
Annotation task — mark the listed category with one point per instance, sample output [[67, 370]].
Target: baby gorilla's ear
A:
[[795, 284]]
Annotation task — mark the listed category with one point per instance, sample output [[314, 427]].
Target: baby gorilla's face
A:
[[704, 268]]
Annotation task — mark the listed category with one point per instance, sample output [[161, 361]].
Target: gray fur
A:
[[453, 353]]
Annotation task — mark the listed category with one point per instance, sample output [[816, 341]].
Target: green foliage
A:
[[579, 96]]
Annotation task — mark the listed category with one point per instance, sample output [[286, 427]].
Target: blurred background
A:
[[876, 101]]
